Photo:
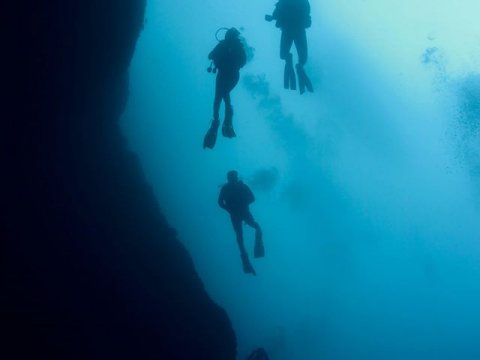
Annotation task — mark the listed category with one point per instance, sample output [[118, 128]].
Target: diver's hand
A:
[[268, 18]]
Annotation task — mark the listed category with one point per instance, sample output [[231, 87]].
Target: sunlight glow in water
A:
[[371, 225]]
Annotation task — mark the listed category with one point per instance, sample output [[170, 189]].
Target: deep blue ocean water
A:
[[367, 190]]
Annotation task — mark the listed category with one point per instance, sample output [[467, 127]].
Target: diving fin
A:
[[211, 136], [303, 80], [289, 81], [286, 77], [308, 83], [227, 131], [259, 249], [247, 266], [293, 81]]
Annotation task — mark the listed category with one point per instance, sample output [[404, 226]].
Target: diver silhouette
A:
[[235, 197], [228, 58], [258, 354], [293, 17]]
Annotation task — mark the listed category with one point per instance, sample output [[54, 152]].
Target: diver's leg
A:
[[302, 50], [237, 226], [210, 137], [250, 221], [227, 129], [259, 250], [228, 110], [301, 45], [286, 42], [219, 93]]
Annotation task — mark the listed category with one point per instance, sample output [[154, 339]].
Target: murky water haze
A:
[[370, 216]]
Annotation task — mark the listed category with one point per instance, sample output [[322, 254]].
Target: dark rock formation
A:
[[90, 268]]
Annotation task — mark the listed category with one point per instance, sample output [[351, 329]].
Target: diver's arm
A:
[[274, 15], [214, 52], [211, 55]]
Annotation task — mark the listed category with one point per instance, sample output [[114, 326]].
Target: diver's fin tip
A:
[[228, 131], [210, 138]]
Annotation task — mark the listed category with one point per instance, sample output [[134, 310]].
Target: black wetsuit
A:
[[228, 56], [293, 17], [235, 197]]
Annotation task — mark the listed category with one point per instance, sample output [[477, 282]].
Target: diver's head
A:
[[231, 34], [232, 176]]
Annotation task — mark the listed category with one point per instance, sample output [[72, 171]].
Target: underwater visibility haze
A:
[[367, 190]]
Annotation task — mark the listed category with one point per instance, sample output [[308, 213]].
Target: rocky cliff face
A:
[[90, 268]]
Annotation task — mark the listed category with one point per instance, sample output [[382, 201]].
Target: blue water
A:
[[367, 190]]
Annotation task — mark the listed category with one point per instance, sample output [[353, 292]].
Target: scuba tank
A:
[[229, 34], [212, 68]]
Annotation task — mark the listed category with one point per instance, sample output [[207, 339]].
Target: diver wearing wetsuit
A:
[[229, 57], [293, 17], [235, 197]]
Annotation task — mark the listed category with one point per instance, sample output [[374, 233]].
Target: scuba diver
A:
[[227, 57], [235, 197], [258, 354], [293, 17]]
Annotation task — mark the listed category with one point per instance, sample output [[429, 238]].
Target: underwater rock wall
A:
[[90, 268]]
